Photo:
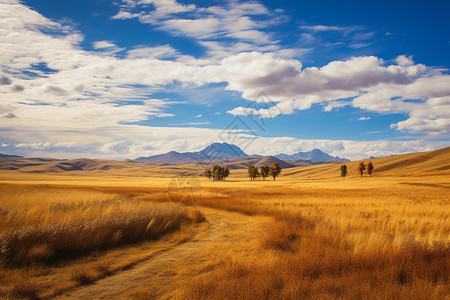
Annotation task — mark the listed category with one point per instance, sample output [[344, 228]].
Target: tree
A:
[[361, 168], [218, 172], [253, 172], [215, 172], [275, 170], [225, 172], [208, 174], [265, 171], [370, 168], [343, 171]]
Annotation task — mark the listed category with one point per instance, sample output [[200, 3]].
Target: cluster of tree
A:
[[361, 168], [265, 171], [217, 173]]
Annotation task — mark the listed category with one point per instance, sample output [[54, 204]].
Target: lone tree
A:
[[275, 170], [343, 171], [361, 168], [253, 172], [370, 168], [265, 171]]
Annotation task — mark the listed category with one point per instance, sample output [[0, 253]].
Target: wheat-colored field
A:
[[309, 234]]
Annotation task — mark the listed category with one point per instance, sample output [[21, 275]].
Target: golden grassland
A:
[[323, 237], [351, 241], [46, 225]]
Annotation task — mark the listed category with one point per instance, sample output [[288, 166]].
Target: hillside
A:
[[268, 160], [82, 166], [422, 163]]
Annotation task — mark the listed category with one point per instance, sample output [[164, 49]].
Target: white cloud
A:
[[200, 28], [369, 81], [199, 116], [428, 111], [233, 20], [241, 111], [404, 60], [335, 104], [164, 51], [103, 45], [364, 118], [45, 145], [319, 28]]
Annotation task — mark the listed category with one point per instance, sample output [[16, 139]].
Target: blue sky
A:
[[133, 78]]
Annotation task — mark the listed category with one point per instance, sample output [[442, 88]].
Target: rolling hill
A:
[[423, 163], [268, 160]]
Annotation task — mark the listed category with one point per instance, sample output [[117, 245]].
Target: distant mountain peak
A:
[[213, 152], [223, 150]]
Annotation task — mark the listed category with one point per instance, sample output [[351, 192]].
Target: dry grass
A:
[[296, 262], [44, 228], [45, 231], [25, 288], [370, 239]]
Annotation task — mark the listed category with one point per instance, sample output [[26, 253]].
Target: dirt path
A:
[[222, 225]]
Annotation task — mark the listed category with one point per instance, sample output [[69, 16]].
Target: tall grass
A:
[[43, 228], [296, 262], [350, 243]]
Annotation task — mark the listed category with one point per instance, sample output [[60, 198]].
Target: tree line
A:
[[265, 171], [361, 168], [217, 173]]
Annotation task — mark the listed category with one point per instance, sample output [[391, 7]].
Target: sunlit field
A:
[[46, 226], [386, 238], [309, 234]]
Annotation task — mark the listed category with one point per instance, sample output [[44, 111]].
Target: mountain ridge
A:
[[227, 152], [314, 155]]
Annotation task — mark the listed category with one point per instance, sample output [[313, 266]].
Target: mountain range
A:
[[314, 155], [224, 152]]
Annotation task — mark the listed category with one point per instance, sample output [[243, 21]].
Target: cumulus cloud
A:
[[364, 118], [368, 82], [404, 60], [284, 79]]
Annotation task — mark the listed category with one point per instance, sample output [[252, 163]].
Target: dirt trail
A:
[[222, 225]]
